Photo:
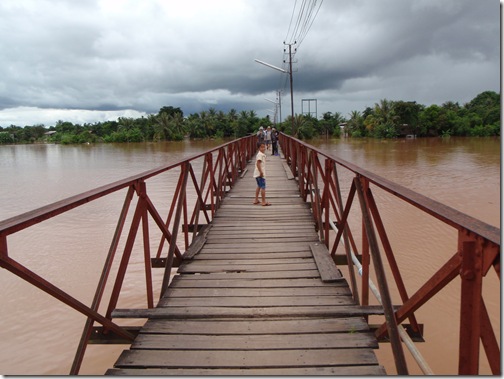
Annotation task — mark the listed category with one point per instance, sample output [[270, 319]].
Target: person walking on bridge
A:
[[260, 136], [267, 137], [274, 141], [260, 176]]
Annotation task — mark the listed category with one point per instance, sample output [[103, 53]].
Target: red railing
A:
[[221, 168], [317, 173], [478, 250]]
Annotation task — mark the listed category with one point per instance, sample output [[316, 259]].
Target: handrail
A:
[[478, 249], [404, 335], [478, 243], [221, 167]]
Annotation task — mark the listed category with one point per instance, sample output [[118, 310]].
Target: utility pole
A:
[[291, 88], [280, 105]]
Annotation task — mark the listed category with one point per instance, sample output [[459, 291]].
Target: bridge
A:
[[252, 290]]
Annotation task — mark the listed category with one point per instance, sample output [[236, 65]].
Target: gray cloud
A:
[[109, 56]]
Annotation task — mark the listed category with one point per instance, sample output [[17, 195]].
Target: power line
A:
[[306, 14], [305, 17], [309, 24], [290, 24]]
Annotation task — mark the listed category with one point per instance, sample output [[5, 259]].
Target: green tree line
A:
[[387, 119]]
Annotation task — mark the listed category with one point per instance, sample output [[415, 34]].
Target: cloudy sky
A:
[[93, 60]]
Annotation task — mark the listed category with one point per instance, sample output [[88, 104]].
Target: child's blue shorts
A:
[[261, 182]]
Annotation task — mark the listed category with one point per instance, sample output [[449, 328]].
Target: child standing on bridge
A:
[[260, 176]]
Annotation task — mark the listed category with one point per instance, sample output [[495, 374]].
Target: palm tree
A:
[[382, 120], [177, 125], [162, 127], [384, 112], [126, 123], [356, 123], [299, 122]]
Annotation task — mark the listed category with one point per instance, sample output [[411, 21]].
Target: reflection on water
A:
[[40, 335]]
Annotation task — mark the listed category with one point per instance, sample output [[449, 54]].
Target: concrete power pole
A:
[[291, 87]]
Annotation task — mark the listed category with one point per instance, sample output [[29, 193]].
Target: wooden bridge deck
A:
[[252, 301]]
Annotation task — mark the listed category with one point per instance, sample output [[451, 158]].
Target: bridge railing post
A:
[[402, 368], [479, 249], [470, 306]]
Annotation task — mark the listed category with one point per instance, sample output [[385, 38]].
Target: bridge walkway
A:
[[253, 300]]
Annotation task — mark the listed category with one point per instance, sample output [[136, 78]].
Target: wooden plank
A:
[[255, 342], [261, 274], [256, 302], [102, 336], [241, 358], [272, 260], [225, 255], [263, 213], [256, 292], [237, 240], [203, 281], [257, 312], [244, 224], [287, 170], [367, 370], [241, 205], [262, 326], [197, 268], [325, 264], [197, 243], [263, 232], [253, 247]]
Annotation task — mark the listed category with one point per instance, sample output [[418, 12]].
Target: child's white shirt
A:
[[260, 157]]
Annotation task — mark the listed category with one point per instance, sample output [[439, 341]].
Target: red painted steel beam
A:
[[442, 212], [25, 220], [436, 283], [147, 260], [470, 304], [389, 253], [39, 282], [489, 341], [344, 217], [128, 248], [176, 223], [391, 323], [107, 266]]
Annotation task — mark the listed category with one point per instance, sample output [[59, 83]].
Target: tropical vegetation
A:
[[387, 119]]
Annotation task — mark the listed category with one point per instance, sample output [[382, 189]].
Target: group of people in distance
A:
[[265, 139], [270, 138]]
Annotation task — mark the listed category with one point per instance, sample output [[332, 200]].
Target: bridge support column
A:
[[470, 305]]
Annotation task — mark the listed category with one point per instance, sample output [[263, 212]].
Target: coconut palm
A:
[[162, 127], [355, 124]]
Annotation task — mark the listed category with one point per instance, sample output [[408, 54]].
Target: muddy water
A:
[[461, 173], [39, 335]]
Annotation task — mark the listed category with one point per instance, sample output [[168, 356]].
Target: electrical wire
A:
[[290, 24], [305, 17]]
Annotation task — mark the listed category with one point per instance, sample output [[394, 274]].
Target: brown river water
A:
[[39, 335]]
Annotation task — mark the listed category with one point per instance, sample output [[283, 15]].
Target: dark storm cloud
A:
[[111, 56]]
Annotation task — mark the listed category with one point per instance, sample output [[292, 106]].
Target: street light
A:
[[271, 66], [291, 89]]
